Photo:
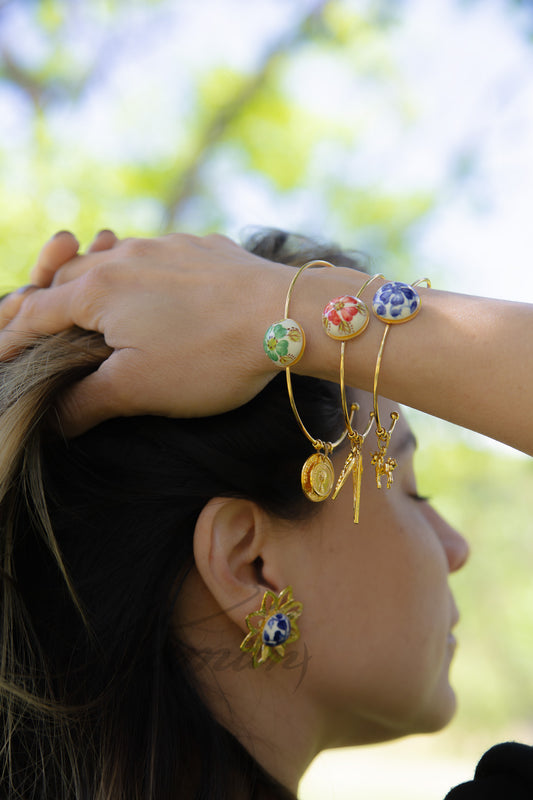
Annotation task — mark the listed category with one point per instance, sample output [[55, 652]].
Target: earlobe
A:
[[233, 552]]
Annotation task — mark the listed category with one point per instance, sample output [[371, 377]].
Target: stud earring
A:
[[273, 627]]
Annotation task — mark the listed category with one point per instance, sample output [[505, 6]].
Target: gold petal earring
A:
[[273, 627]]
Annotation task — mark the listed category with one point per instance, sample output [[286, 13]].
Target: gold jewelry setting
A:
[[318, 477], [344, 318], [273, 627]]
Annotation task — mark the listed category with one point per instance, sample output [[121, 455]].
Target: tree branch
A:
[[187, 182], [21, 78]]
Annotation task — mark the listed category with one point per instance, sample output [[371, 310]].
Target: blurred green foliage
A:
[[93, 143]]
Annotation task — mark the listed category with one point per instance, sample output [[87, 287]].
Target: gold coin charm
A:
[[317, 477]]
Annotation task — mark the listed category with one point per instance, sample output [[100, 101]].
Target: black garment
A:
[[504, 773]]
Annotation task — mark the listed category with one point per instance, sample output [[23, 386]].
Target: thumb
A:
[[87, 403]]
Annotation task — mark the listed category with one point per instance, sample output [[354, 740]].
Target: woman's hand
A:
[[181, 345], [185, 317]]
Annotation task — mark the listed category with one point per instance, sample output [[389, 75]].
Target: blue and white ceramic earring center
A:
[[277, 630], [396, 302]]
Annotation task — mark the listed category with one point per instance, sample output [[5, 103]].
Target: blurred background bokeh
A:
[[403, 128]]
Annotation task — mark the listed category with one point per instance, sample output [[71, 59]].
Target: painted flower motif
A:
[[276, 345], [341, 310], [396, 301], [345, 317], [272, 627], [283, 342]]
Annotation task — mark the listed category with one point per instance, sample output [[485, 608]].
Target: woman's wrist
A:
[[321, 356]]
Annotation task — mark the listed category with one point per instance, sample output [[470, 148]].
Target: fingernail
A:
[[105, 230], [26, 288], [62, 233]]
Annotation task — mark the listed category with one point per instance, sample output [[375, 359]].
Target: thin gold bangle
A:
[[317, 443], [384, 467], [318, 475], [354, 461], [348, 417], [380, 356]]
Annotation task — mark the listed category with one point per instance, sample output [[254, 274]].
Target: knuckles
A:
[[218, 240], [102, 278], [135, 248], [29, 303]]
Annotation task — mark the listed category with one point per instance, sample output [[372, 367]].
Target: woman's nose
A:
[[455, 546]]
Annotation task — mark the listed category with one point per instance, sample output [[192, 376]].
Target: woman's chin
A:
[[440, 715]]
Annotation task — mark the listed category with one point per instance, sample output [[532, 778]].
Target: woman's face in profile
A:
[[378, 611]]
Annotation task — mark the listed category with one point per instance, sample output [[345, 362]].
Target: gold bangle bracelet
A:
[[318, 474], [385, 466], [354, 462]]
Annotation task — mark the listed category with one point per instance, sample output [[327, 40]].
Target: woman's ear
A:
[[230, 541]]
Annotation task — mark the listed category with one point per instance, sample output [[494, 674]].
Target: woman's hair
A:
[[98, 698]]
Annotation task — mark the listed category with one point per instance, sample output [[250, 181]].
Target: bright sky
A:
[[468, 69], [469, 73], [483, 71]]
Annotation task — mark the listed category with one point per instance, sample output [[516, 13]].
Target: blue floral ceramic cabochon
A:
[[396, 302], [277, 630]]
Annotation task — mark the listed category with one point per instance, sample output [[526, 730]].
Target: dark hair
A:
[[98, 694]]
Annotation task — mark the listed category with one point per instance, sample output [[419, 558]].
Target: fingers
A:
[[105, 240], [48, 311], [59, 249], [87, 403], [101, 244], [11, 303]]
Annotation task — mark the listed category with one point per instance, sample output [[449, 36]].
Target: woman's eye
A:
[[420, 498]]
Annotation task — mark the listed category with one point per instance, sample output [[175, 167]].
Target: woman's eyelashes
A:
[[419, 498]]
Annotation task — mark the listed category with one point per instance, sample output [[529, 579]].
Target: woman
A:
[[137, 554]]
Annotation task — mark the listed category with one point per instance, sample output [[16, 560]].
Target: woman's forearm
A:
[[185, 317], [465, 359]]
